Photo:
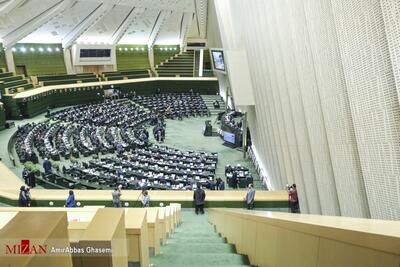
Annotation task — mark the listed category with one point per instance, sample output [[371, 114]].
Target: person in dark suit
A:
[[22, 200], [199, 197], [70, 203], [31, 179], [47, 166], [251, 193], [25, 175]]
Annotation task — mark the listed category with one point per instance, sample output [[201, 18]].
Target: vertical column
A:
[[150, 53], [10, 60], [68, 60], [201, 60]]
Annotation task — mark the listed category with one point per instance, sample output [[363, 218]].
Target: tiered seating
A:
[[181, 65], [125, 74], [151, 168], [96, 128], [9, 82], [67, 78], [174, 105]]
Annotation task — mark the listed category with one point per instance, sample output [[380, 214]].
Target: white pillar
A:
[[10, 60], [151, 57], [201, 62], [68, 61]]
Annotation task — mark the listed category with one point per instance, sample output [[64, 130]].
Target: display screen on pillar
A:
[[218, 60]]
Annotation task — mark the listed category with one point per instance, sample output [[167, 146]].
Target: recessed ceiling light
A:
[[32, 49], [49, 49], [40, 49], [23, 49]]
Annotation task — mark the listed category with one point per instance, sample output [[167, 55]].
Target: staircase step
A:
[[198, 248], [189, 239], [206, 259]]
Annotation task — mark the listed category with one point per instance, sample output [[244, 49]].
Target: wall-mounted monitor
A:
[[229, 138], [218, 60]]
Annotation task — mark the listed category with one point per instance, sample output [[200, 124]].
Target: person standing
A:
[[293, 199], [25, 175], [47, 166], [199, 197], [31, 179], [251, 193], [145, 199], [116, 196], [28, 197], [22, 200], [70, 203]]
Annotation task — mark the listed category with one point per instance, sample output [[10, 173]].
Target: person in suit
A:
[[28, 197], [22, 200], [251, 193], [25, 175], [221, 185], [145, 199], [70, 203], [31, 179], [199, 197], [47, 166], [116, 196], [293, 199]]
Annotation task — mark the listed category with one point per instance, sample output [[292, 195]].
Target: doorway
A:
[[21, 70]]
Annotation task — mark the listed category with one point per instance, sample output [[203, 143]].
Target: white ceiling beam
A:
[[11, 38], [85, 24], [161, 18], [126, 23], [10, 5], [185, 25]]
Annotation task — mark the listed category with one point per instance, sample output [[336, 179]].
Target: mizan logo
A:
[[25, 248]]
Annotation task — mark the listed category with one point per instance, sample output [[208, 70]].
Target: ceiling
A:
[[102, 21]]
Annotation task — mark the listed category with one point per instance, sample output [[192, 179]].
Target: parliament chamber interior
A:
[[197, 133]]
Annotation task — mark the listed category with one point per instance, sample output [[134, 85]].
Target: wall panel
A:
[[373, 101]]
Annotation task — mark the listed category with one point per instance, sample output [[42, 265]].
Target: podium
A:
[[207, 128]]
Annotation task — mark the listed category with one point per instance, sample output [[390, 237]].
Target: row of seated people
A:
[[238, 176], [174, 106], [54, 139], [122, 112], [145, 168]]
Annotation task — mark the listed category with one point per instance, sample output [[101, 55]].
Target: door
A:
[[21, 70]]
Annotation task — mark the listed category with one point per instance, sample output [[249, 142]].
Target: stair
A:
[[180, 65], [196, 244], [209, 100]]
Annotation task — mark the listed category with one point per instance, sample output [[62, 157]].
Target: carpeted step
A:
[[206, 259], [198, 248], [188, 239]]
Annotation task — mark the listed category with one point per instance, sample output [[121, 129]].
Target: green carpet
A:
[[195, 243]]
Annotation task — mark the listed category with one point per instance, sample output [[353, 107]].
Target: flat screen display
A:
[[95, 52], [229, 137], [218, 59]]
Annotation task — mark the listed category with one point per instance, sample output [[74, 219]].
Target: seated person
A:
[[216, 104]]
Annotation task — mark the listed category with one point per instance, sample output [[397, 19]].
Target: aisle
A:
[[195, 244]]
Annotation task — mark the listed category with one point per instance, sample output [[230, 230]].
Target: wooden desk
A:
[[137, 236], [105, 231], [153, 226], [282, 239], [48, 229], [163, 228], [178, 217]]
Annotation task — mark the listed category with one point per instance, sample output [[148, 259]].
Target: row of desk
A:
[[97, 236]]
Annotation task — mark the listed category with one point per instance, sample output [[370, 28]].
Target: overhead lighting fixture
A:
[[170, 48], [32, 49], [23, 49], [14, 49], [120, 49], [57, 49], [137, 48], [131, 48], [161, 48], [49, 49], [142, 48], [126, 49], [174, 48], [41, 49]]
